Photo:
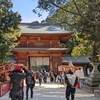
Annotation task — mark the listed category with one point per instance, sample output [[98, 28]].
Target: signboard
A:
[[66, 67]]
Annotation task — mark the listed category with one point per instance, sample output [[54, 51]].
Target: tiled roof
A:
[[81, 59], [42, 29]]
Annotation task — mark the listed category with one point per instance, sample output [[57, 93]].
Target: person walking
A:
[[51, 76], [40, 78], [71, 82], [44, 76], [55, 76], [16, 83], [30, 83]]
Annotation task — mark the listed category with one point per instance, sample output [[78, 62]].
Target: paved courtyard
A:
[[52, 91]]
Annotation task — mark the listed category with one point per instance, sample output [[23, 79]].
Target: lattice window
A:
[[39, 61]]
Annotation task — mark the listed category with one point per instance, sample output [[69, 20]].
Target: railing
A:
[[4, 78], [5, 68]]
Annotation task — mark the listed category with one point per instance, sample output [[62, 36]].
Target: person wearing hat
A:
[[16, 81]]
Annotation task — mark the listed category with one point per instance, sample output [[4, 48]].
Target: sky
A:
[[25, 7]]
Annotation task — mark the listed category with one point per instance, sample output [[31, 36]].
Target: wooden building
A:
[[40, 44]]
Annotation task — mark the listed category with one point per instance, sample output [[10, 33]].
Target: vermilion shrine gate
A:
[[40, 44]]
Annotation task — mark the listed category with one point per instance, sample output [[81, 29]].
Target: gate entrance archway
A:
[[39, 63]]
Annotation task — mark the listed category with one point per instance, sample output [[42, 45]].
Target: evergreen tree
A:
[[9, 29]]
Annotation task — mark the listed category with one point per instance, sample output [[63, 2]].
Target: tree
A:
[[82, 47], [81, 16], [9, 29], [35, 22]]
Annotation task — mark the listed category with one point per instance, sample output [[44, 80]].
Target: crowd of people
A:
[[19, 74], [43, 75]]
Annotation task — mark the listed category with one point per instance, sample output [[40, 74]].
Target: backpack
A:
[[30, 79]]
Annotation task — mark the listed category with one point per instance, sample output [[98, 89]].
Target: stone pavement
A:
[[53, 91]]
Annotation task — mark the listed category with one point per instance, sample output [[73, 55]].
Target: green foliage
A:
[[9, 29], [70, 44], [83, 46], [35, 22], [81, 50], [82, 16]]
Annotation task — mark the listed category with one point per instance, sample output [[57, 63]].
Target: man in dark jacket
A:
[[71, 82], [16, 81], [30, 83]]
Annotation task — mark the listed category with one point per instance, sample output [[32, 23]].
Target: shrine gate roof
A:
[[38, 49], [42, 28]]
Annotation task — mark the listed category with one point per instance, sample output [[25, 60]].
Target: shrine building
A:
[[40, 44]]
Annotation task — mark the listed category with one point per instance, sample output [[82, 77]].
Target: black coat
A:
[[29, 77], [16, 79]]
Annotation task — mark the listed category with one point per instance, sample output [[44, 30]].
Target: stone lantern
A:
[[93, 81]]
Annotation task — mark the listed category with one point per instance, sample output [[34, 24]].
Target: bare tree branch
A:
[[76, 7]]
